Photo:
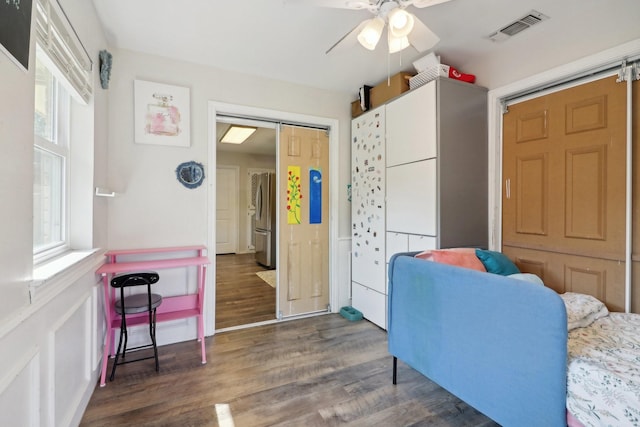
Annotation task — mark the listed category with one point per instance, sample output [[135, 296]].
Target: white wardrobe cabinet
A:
[[441, 190], [412, 126], [412, 205], [402, 242], [368, 263], [434, 176]]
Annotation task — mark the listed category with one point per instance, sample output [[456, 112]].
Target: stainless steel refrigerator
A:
[[265, 231]]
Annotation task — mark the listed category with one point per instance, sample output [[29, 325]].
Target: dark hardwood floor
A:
[[241, 296], [318, 371]]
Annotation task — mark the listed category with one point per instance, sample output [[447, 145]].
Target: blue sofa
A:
[[497, 343]]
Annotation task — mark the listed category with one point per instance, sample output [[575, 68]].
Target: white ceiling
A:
[[287, 39]]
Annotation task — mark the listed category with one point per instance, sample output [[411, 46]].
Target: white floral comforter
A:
[[603, 378]]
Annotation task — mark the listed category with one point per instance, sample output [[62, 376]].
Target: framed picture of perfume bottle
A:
[[162, 114]]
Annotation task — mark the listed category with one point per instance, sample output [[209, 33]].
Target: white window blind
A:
[[57, 37]]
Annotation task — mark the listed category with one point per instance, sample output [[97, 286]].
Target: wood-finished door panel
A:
[[526, 169], [564, 170], [303, 224], [532, 126], [561, 272], [585, 198], [532, 191]]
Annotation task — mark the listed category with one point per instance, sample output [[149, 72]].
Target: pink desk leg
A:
[[107, 343], [201, 316], [204, 351]]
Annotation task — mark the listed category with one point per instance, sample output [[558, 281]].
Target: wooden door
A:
[[564, 189], [303, 224], [226, 210]]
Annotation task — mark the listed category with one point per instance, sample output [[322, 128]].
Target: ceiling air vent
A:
[[518, 25]]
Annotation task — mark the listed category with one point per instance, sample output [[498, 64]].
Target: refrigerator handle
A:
[[259, 201]]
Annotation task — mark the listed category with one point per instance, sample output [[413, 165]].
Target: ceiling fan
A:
[[404, 28]]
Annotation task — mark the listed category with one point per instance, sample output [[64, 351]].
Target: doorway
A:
[[334, 266], [243, 295]]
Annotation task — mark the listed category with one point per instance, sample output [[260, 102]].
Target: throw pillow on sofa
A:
[[460, 257], [496, 262]]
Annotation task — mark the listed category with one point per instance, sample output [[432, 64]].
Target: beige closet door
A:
[[303, 224], [564, 189]]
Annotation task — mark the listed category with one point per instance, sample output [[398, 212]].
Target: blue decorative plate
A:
[[190, 174]]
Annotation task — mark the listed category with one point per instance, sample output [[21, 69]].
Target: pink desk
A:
[[172, 308]]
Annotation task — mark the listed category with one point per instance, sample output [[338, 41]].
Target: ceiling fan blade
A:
[[337, 4], [421, 37], [427, 3], [349, 39]]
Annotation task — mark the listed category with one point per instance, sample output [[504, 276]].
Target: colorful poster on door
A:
[[294, 195], [315, 196]]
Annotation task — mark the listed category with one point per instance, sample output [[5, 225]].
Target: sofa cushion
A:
[[496, 262]]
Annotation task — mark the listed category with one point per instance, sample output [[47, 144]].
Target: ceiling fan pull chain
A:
[[388, 68]]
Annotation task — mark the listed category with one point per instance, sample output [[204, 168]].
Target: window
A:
[[50, 161], [63, 150]]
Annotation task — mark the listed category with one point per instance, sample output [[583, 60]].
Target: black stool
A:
[[133, 304]]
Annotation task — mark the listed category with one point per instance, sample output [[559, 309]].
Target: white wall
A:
[[49, 347], [136, 169]]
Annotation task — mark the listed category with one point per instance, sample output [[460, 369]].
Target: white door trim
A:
[[333, 125]]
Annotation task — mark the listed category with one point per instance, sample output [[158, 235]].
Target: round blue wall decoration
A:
[[190, 174]]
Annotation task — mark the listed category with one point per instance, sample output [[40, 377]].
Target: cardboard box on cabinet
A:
[[356, 109], [397, 85]]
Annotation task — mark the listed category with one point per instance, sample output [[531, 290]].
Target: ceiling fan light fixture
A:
[[370, 34], [400, 22], [396, 44]]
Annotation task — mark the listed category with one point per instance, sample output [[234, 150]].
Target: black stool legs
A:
[[152, 334], [136, 304], [123, 332]]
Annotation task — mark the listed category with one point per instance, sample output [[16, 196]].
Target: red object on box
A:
[[455, 74]]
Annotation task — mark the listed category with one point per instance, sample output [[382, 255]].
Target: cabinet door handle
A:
[[508, 187]]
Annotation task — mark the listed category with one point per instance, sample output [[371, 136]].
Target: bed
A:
[[603, 370], [514, 350]]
